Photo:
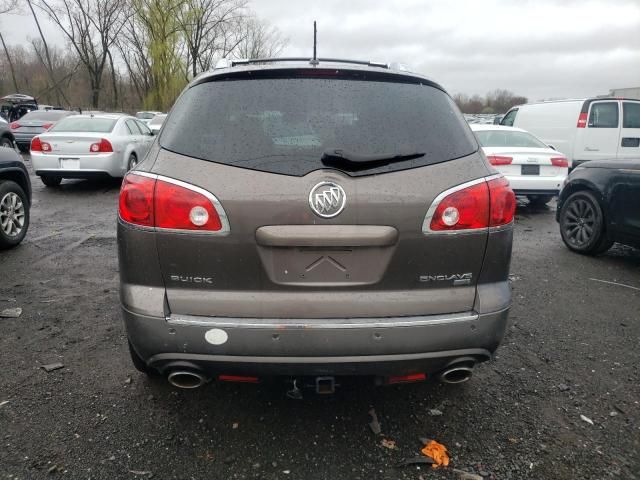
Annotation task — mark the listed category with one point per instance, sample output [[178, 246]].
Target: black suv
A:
[[15, 198]]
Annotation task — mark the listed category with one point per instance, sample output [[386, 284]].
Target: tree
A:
[[91, 26], [9, 6], [259, 40]]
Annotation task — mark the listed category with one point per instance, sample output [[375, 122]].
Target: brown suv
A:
[[314, 220]]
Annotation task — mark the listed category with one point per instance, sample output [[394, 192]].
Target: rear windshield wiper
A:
[[355, 161]]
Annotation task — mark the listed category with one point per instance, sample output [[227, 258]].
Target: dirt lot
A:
[[571, 350]]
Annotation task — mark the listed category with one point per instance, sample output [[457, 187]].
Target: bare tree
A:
[[9, 6], [91, 26], [259, 40], [207, 26]]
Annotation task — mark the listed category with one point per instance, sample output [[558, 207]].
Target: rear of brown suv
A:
[[314, 220]]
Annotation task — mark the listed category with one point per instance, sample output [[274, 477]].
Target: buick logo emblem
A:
[[327, 199]]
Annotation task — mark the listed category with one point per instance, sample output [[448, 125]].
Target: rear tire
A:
[[23, 148], [133, 161], [140, 364], [50, 181], [582, 224], [14, 214], [539, 200], [5, 142]]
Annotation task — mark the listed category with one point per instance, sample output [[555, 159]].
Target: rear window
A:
[[503, 138], [45, 115], [604, 115], [284, 125], [75, 124]]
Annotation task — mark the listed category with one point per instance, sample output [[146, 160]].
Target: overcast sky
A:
[[539, 49]]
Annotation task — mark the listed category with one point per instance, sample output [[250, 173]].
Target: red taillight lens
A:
[[103, 146], [164, 204], [559, 162], [36, 144], [463, 210], [14, 125], [499, 160], [487, 204], [47, 126], [582, 120], [503, 202], [237, 378], [181, 208], [136, 200]]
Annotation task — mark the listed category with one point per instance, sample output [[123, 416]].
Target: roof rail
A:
[[233, 63]]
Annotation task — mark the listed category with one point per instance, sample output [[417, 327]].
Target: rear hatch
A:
[[311, 238]]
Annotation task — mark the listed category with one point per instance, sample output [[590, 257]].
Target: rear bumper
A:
[[536, 185], [89, 165], [386, 346]]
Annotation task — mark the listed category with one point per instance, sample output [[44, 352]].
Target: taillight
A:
[[177, 207], [479, 205], [499, 160], [560, 162], [47, 126], [103, 146], [14, 125], [38, 145], [136, 200], [169, 204], [503, 202], [582, 120]]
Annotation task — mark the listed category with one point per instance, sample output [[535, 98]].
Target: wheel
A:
[[23, 148], [50, 181], [133, 161], [539, 200], [582, 224], [140, 364], [14, 214], [5, 142]]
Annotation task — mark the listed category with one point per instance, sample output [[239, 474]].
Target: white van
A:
[[585, 129]]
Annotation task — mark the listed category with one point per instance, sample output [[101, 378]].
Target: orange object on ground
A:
[[438, 452]]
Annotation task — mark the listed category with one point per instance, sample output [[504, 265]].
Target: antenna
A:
[[314, 60]]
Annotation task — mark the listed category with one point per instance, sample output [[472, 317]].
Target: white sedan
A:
[[533, 169], [88, 146]]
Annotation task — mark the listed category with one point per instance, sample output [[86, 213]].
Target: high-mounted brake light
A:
[[14, 125], [560, 162], [103, 146], [168, 204], [473, 206], [38, 145], [582, 120], [499, 160]]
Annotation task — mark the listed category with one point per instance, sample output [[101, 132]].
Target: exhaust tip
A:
[[186, 379], [457, 375]]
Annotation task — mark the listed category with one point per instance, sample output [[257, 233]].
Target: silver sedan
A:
[[89, 146]]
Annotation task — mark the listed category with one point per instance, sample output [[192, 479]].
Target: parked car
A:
[[585, 129], [156, 123], [34, 123], [15, 106], [15, 198], [89, 146], [599, 206], [7, 139], [146, 117], [533, 169], [294, 221]]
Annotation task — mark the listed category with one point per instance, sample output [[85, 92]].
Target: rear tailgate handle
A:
[[326, 236]]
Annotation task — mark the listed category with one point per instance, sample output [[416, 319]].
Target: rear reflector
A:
[[169, 204], [414, 377], [38, 145], [559, 162], [47, 126], [499, 160], [582, 120], [479, 205], [237, 378]]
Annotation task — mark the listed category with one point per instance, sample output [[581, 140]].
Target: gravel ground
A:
[[560, 400]]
